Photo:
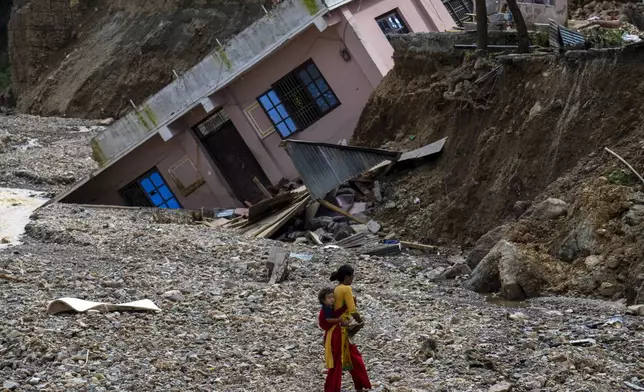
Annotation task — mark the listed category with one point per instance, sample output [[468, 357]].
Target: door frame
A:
[[201, 140]]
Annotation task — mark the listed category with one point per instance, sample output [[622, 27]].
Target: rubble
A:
[[235, 332]]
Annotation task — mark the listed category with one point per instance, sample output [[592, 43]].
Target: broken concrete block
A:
[[373, 226], [277, 265], [360, 229], [377, 193]]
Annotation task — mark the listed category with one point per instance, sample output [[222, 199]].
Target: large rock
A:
[[580, 242], [551, 208], [485, 244], [635, 215], [508, 270]]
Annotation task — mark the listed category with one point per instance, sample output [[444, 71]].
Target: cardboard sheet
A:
[[80, 306]]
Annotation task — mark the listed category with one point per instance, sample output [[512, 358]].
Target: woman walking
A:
[[340, 354]]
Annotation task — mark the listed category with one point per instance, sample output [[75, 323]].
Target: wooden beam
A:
[[339, 210], [287, 215], [262, 188], [416, 245]]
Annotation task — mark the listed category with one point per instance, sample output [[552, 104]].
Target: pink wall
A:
[[346, 79], [419, 15], [103, 189]]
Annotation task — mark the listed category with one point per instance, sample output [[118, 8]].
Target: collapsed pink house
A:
[[303, 71]]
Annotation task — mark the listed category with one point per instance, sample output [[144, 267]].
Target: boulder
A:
[[580, 242], [551, 208], [508, 270], [484, 244]]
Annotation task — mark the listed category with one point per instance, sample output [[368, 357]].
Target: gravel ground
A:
[[231, 331], [226, 329], [45, 154]]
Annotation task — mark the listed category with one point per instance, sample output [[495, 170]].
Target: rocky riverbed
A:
[[226, 329], [45, 154]]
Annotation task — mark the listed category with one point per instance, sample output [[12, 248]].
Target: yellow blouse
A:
[[344, 296]]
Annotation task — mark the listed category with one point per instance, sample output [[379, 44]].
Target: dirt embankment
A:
[[519, 133], [89, 59]]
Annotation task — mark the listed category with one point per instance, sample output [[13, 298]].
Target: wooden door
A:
[[238, 164]]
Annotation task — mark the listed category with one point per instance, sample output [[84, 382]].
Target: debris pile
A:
[[524, 170], [223, 326]]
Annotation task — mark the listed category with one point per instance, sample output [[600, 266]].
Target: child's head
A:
[[326, 296]]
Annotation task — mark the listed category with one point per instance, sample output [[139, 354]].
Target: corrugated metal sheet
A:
[[571, 38], [323, 166]]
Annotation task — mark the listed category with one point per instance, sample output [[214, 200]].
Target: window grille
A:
[[459, 9], [150, 190], [392, 23], [213, 123], [298, 100]]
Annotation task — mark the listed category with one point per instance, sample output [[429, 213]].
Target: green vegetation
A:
[[605, 38], [311, 6], [97, 153], [541, 38], [151, 115], [224, 58], [622, 177]]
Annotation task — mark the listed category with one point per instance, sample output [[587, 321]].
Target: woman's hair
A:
[[323, 293], [341, 273]]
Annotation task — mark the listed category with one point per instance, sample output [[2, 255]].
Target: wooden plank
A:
[[261, 187], [339, 210], [416, 245], [265, 207], [289, 214], [257, 227]]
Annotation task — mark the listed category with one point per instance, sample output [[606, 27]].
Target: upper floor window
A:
[[392, 23], [298, 100]]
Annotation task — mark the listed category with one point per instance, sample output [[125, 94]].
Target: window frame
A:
[[400, 16], [304, 87], [138, 181]]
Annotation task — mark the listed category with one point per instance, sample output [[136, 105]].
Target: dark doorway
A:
[[233, 157]]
